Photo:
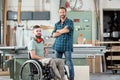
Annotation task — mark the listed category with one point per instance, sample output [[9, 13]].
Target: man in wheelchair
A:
[[37, 51]]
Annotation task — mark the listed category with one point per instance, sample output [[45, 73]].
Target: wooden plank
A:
[[112, 50], [4, 73], [81, 72], [104, 64], [19, 11], [114, 67], [113, 58], [97, 64], [8, 35], [94, 64], [11, 31], [117, 64], [98, 18], [90, 63], [5, 22]]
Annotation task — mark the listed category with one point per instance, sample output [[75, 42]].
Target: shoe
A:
[[71, 79]]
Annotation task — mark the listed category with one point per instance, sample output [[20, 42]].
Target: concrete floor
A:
[[5, 78], [98, 76], [105, 76], [93, 76]]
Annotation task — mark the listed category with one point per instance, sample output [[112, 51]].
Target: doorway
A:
[[111, 32], [111, 25]]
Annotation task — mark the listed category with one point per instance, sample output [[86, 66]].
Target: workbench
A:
[[81, 51], [15, 52], [20, 54]]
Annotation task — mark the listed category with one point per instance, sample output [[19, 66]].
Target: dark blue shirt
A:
[[64, 42]]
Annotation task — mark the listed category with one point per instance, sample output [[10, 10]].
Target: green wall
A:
[[82, 24]]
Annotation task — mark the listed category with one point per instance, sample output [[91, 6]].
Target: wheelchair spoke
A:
[[29, 73]]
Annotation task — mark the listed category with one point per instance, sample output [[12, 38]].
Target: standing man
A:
[[63, 32]]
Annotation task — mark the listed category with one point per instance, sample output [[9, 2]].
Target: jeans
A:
[[68, 60]]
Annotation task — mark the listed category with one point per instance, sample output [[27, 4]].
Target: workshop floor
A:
[[105, 76], [99, 76]]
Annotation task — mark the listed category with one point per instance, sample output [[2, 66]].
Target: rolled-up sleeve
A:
[[31, 46]]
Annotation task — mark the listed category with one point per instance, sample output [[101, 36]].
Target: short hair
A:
[[63, 8], [35, 27]]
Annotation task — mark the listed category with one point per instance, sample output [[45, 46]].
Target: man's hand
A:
[[59, 31], [56, 34], [46, 52]]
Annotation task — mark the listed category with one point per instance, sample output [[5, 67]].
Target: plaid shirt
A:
[[64, 42]]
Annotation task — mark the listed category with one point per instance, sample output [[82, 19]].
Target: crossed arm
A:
[[60, 31]]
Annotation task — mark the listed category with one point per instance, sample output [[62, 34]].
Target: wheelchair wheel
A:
[[27, 74]]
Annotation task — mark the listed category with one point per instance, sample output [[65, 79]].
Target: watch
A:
[[75, 4]]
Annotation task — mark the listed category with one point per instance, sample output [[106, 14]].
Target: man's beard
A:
[[63, 16], [38, 36]]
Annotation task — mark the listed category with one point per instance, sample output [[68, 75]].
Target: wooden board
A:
[[81, 72], [94, 64], [4, 73], [5, 22]]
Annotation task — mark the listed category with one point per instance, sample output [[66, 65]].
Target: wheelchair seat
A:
[[34, 70]]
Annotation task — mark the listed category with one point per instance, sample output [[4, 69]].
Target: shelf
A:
[[113, 50], [115, 67], [113, 58], [112, 54]]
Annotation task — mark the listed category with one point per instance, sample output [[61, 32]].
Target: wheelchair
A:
[[34, 70]]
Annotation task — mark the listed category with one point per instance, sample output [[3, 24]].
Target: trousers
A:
[[57, 66]]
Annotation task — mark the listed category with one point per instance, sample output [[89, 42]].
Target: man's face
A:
[[62, 13], [37, 32]]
